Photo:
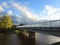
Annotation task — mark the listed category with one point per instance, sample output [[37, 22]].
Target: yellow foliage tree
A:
[[7, 23], [1, 25]]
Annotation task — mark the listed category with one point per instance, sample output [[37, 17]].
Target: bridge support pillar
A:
[[31, 34], [23, 32]]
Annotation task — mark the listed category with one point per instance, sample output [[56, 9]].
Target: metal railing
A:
[[54, 23]]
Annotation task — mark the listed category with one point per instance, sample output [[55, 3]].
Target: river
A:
[[41, 39]]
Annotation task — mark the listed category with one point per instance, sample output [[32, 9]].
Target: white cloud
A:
[[26, 13], [9, 12], [16, 19], [1, 9], [50, 13], [49, 9], [5, 4]]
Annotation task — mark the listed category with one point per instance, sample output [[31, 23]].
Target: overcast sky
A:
[[31, 11]]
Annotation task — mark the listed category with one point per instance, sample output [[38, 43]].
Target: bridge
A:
[[47, 26]]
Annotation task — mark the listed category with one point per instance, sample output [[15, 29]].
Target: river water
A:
[[41, 39]]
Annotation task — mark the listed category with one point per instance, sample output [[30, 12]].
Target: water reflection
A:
[[4, 39], [27, 41], [46, 39], [14, 39]]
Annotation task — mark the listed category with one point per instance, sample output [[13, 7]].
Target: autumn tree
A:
[[6, 22], [1, 25]]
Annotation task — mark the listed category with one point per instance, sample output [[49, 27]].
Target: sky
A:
[[30, 11]]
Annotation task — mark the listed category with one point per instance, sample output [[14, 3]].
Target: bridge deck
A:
[[43, 26]]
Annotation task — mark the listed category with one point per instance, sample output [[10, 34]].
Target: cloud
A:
[[17, 19], [1, 9], [28, 15], [9, 12], [50, 13], [49, 9], [5, 4]]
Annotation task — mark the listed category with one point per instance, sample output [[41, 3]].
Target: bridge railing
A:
[[55, 23]]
